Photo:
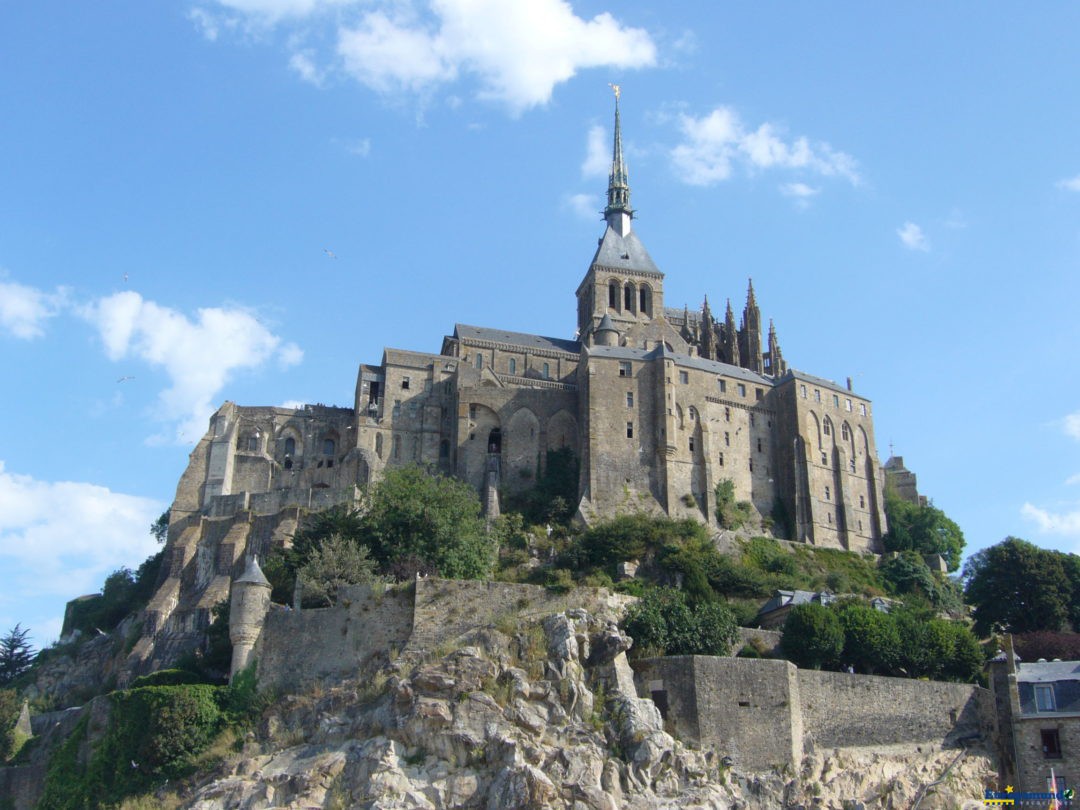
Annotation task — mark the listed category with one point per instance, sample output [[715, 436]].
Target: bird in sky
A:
[[125, 278], [330, 253], [127, 377]]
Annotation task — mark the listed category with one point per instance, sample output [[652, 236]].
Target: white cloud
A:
[[714, 143], [198, 355], [1070, 184], [303, 65], [1072, 480], [294, 404], [1067, 523], [800, 192], [61, 538], [584, 206], [597, 161], [913, 237], [1071, 425], [518, 51], [24, 310]]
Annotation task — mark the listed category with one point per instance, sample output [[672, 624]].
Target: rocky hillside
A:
[[545, 716]]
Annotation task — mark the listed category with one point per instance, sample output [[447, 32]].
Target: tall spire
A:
[[618, 212]]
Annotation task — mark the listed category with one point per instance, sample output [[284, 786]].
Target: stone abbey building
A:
[[658, 404]]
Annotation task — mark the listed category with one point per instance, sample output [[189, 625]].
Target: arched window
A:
[[613, 294], [628, 297], [692, 413], [328, 447], [645, 300], [845, 431], [512, 366], [826, 427], [290, 446]]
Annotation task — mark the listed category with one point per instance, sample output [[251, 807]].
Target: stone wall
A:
[[765, 713], [841, 710], [767, 640], [1033, 767]]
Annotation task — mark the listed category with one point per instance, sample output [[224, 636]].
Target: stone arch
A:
[[864, 441], [629, 297], [679, 416], [521, 448], [614, 295], [562, 431], [290, 442]]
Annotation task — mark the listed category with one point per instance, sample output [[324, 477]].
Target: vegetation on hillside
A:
[[923, 529]]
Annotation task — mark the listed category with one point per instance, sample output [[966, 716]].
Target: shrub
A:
[[813, 636], [664, 622], [729, 513]]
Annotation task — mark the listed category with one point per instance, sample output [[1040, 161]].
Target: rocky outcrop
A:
[[544, 718]]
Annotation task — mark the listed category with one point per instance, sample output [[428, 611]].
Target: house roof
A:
[[1048, 671]]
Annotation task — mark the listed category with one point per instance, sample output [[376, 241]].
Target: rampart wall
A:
[[765, 713]]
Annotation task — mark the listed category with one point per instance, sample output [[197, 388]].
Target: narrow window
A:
[[758, 393], [751, 465], [824, 459], [691, 444], [830, 517], [628, 298], [378, 445], [397, 407], [479, 360], [751, 420], [759, 445], [404, 383], [290, 446], [692, 413], [721, 458], [513, 365], [727, 439], [547, 371], [397, 447], [845, 431], [625, 370], [613, 295], [1051, 743], [472, 412], [252, 444], [727, 414], [645, 301], [802, 391], [416, 447], [723, 385], [629, 399], [328, 447], [742, 390], [684, 378], [827, 428], [1044, 698], [851, 466], [828, 494], [847, 404], [862, 502], [817, 395], [629, 430], [860, 525]]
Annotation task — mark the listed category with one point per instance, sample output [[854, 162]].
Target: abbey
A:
[[658, 405]]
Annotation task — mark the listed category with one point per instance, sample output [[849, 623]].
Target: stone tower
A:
[[247, 611]]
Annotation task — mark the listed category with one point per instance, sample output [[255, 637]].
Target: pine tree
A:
[[16, 654]]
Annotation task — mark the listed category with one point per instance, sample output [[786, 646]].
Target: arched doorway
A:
[[494, 443]]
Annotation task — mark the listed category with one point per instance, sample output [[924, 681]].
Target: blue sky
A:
[[901, 182]]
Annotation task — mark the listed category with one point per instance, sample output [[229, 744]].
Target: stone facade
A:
[[1038, 715], [766, 714]]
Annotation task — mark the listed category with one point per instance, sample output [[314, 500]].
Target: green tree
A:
[[813, 637], [925, 529], [160, 527], [10, 706], [16, 654], [871, 638], [926, 644], [731, 514], [435, 519], [1017, 585], [663, 622], [335, 564]]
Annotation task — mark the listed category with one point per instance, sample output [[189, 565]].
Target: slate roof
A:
[[623, 252], [821, 382], [682, 360], [465, 332], [1064, 676], [1048, 671]]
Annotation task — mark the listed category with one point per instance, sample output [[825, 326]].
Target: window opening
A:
[[328, 447], [1044, 698], [629, 399], [1051, 743], [625, 370], [684, 378], [513, 365], [404, 383], [495, 441], [629, 430]]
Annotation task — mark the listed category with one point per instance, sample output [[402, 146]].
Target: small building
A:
[[1038, 707], [774, 612]]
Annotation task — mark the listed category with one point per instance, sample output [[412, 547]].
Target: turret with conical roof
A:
[[249, 602]]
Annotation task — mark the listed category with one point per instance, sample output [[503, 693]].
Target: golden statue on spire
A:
[[616, 88]]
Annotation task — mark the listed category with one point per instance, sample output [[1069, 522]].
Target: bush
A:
[[813, 636], [168, 677], [664, 622], [1047, 644], [729, 513]]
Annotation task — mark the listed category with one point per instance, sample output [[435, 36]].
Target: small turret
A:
[[731, 338], [606, 333], [708, 332], [750, 334], [777, 366], [247, 612]]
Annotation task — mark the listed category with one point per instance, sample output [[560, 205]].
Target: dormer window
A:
[[1044, 698]]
